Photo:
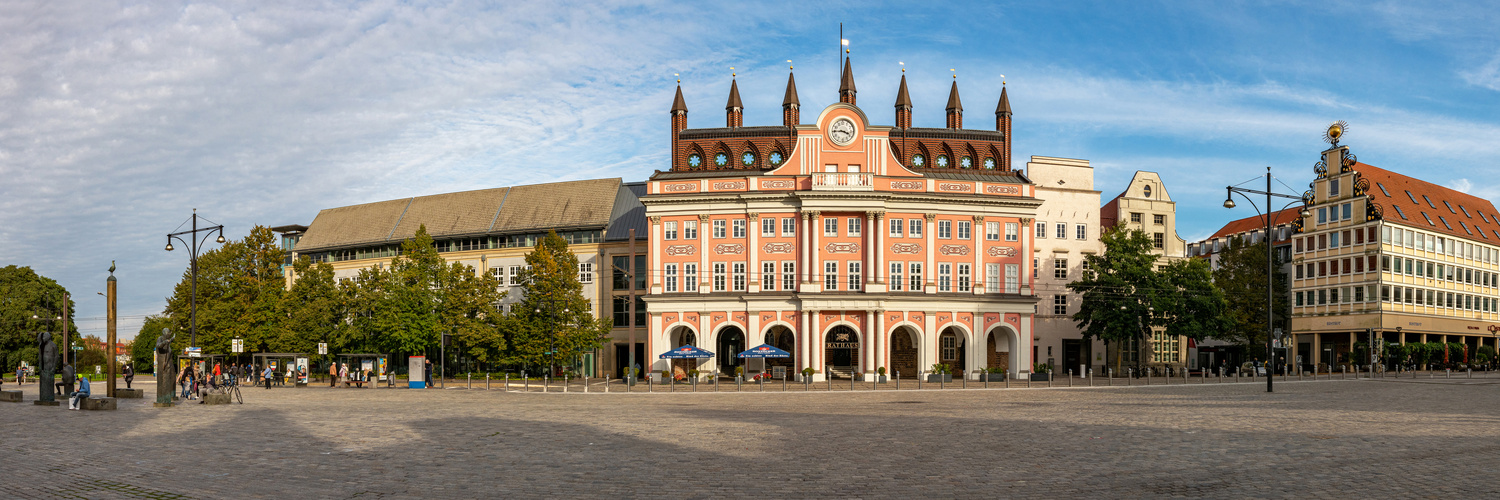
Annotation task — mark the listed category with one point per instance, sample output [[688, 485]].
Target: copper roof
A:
[[734, 96], [902, 98], [1389, 189], [678, 104], [1004, 107], [846, 84], [791, 91], [953, 101]]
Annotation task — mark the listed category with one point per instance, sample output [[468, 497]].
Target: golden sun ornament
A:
[[1335, 132]]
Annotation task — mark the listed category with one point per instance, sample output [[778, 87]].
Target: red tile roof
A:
[[1248, 224], [1470, 211]]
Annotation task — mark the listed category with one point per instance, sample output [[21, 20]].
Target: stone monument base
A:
[[10, 396], [98, 404], [163, 405], [130, 393], [215, 399], [46, 403]]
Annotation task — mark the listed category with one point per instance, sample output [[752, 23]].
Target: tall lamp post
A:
[[194, 245], [1270, 261]]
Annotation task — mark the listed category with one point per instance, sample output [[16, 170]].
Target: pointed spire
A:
[[953, 101], [734, 96], [846, 84], [791, 91], [678, 104], [902, 98], [1004, 107]]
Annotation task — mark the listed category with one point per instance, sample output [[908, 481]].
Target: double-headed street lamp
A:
[[194, 245], [1270, 261]]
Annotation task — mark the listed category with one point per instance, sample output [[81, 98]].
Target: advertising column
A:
[[415, 376]]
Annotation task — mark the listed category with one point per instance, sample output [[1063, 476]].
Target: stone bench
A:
[[130, 393], [97, 404], [10, 396], [215, 399]]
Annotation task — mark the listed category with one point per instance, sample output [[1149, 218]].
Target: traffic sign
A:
[[322, 348], [237, 346]]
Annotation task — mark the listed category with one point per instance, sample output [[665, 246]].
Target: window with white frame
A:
[[896, 275], [768, 226], [720, 276], [1041, 230], [963, 229], [856, 274], [515, 275], [992, 231], [739, 277], [945, 277], [585, 272], [671, 281], [945, 229], [897, 225], [914, 270], [1081, 231], [1088, 269], [738, 225], [690, 277], [719, 226], [1012, 278], [690, 230], [789, 226], [1060, 268], [768, 275], [856, 224], [965, 277], [992, 278], [670, 229], [1011, 230], [830, 275], [1036, 268], [914, 228], [789, 275], [830, 226], [1062, 230]]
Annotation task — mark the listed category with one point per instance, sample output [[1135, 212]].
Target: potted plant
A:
[[995, 374], [807, 374], [940, 373], [666, 376], [880, 373], [693, 376], [1041, 372], [739, 375]]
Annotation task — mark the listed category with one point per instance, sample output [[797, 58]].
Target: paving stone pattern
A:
[[1394, 438]]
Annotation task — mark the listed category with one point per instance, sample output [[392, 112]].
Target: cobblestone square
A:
[[1398, 438]]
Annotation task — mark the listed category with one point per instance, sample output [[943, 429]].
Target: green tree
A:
[[553, 316], [1242, 276], [1125, 296], [143, 348], [471, 312], [315, 307], [408, 321], [241, 290], [23, 294]]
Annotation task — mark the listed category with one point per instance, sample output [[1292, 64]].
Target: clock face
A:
[[841, 131]]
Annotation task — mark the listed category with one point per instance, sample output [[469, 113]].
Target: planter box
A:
[[881, 379], [1041, 377], [104, 404], [994, 377], [934, 378]]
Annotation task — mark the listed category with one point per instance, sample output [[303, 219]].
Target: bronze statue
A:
[[47, 365], [165, 368]]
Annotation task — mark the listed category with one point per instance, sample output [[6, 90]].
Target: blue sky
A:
[[118, 118]]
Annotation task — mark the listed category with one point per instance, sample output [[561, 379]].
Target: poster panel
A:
[[380, 368], [415, 377], [302, 371]]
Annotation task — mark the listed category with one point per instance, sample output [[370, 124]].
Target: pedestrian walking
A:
[[129, 375], [428, 369], [344, 373]]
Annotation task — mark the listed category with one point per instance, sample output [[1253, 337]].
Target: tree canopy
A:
[[1242, 273], [23, 294]]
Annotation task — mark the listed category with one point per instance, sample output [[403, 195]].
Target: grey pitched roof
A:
[[558, 205], [628, 214]]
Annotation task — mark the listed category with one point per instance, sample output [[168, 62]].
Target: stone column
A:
[[867, 346], [109, 348], [875, 250], [878, 340], [807, 244], [655, 237], [815, 265], [1317, 347], [978, 358], [977, 276], [804, 356]]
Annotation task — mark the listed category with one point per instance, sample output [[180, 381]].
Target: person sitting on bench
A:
[[81, 394]]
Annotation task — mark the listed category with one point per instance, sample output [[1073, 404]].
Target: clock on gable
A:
[[841, 131]]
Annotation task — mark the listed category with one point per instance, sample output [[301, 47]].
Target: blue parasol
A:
[[765, 351], [686, 352]]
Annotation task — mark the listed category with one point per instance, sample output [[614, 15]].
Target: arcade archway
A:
[[731, 343], [841, 351], [905, 354]]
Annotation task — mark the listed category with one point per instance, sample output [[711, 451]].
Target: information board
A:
[[415, 376]]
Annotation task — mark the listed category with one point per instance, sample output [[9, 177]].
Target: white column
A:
[[930, 273], [978, 358], [814, 265], [977, 276], [928, 352], [752, 230], [705, 273], [878, 340], [867, 346], [804, 356]]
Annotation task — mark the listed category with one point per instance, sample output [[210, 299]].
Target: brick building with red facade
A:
[[851, 245]]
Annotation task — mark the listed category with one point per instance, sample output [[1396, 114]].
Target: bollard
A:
[[942, 384], [851, 382], [1007, 380], [828, 381], [606, 384], [1129, 372], [919, 379], [1109, 376], [1049, 380], [986, 375], [585, 383], [716, 381], [1471, 373], [546, 382], [963, 382], [565, 383], [762, 380], [1148, 375], [1091, 377], [898, 380], [1448, 372], [486, 381]]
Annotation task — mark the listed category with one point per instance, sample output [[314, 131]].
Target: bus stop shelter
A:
[[368, 369], [278, 361]]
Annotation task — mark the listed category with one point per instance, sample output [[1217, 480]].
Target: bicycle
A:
[[232, 389]]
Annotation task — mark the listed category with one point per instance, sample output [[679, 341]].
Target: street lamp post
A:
[[1270, 261], [195, 244]]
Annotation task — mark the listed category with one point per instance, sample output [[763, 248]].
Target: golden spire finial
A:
[[678, 76], [955, 73], [789, 65], [732, 74], [903, 66]]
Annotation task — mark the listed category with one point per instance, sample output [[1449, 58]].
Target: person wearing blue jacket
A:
[[81, 394]]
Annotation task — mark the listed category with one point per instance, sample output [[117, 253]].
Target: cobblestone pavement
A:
[[1400, 438]]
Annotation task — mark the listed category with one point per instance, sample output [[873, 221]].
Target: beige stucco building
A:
[[1066, 230], [1145, 205]]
